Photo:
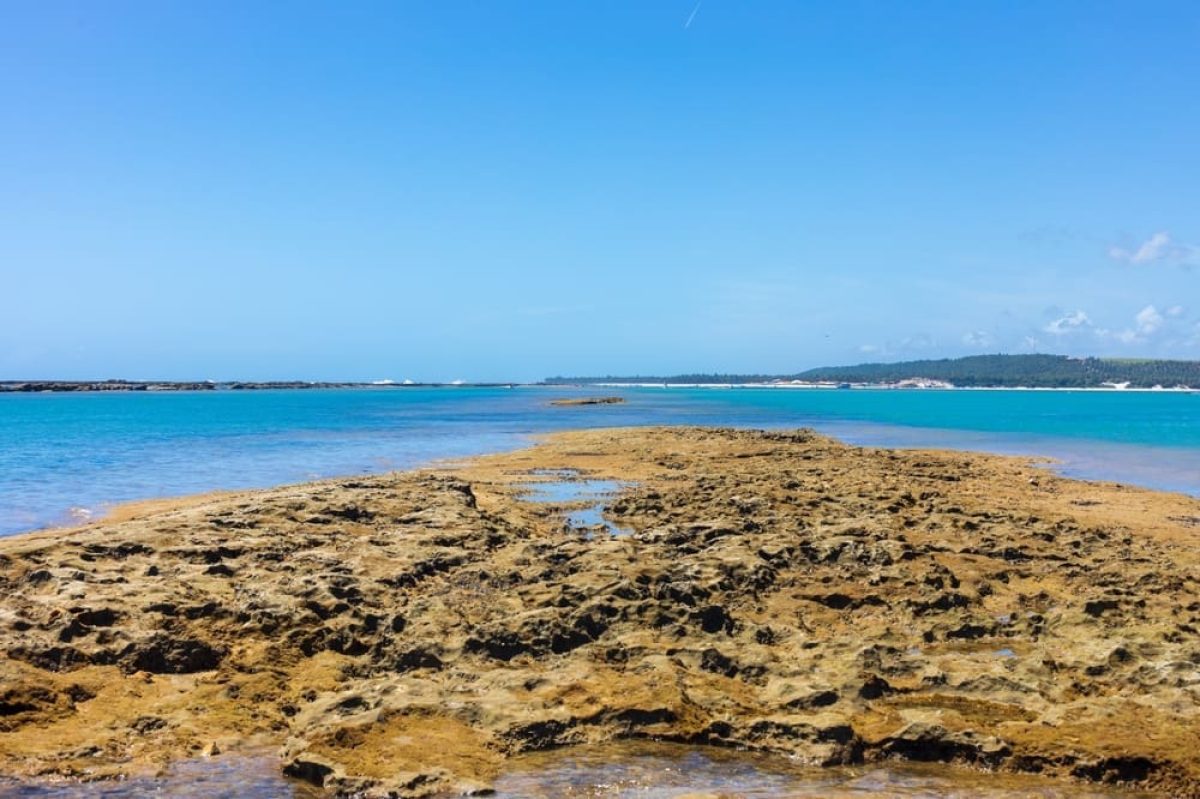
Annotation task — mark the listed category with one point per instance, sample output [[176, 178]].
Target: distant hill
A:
[[1033, 371], [1037, 371]]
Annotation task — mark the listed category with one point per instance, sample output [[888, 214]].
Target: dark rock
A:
[[1117, 769], [815, 700], [712, 660], [931, 742], [165, 655], [714, 619], [1098, 607], [875, 687]]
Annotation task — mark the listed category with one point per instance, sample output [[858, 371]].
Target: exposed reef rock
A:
[[401, 635], [575, 401], [41, 386]]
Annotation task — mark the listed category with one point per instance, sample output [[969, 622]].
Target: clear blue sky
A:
[[507, 190]]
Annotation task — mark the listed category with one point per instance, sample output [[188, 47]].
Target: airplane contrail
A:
[[692, 15]]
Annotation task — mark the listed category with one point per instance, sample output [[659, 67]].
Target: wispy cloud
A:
[[1146, 323], [907, 346], [1148, 320], [978, 338], [1070, 323], [1158, 248], [692, 15]]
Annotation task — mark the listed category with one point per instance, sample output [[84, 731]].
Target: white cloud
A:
[[977, 338], [1032, 344], [1071, 323], [1148, 320], [1175, 311], [1146, 323], [909, 344], [1159, 247]]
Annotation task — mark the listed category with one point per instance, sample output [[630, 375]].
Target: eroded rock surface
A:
[[401, 635]]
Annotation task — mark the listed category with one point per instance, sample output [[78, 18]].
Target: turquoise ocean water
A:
[[66, 457]]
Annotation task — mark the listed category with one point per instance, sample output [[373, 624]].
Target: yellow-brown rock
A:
[[402, 634]]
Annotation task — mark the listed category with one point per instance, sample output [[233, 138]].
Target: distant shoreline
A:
[[886, 386], [974, 371], [127, 386], [160, 386]]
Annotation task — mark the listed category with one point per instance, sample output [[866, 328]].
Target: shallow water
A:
[[660, 771], [225, 777], [568, 488], [632, 770], [66, 457]]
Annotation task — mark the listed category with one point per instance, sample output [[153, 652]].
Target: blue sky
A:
[[508, 190]]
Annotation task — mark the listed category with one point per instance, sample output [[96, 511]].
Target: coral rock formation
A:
[[401, 635]]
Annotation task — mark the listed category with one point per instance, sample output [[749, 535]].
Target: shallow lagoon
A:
[[66, 457]]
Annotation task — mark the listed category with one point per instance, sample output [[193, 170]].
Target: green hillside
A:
[[1033, 371], [1041, 371]]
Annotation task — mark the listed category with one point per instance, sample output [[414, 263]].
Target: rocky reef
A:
[[575, 401], [401, 635], [71, 386]]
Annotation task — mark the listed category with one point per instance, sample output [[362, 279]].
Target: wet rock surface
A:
[[244, 776], [673, 771], [402, 635]]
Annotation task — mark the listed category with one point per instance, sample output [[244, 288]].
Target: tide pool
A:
[[66, 457]]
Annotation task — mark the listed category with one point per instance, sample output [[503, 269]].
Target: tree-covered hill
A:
[[1033, 371], [1041, 371]]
